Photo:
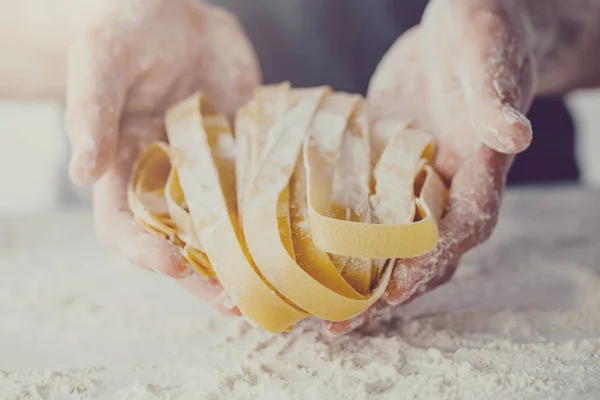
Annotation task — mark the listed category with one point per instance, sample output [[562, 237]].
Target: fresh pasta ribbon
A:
[[287, 215]]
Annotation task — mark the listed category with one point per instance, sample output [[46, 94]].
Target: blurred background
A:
[[34, 159], [34, 153], [34, 150]]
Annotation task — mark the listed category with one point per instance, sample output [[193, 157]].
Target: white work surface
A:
[[521, 320]]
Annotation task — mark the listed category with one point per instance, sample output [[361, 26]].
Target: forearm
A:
[[34, 36], [564, 38]]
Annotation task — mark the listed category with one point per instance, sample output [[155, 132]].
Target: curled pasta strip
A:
[[288, 215]]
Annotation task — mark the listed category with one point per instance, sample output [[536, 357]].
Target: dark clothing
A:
[[340, 42]]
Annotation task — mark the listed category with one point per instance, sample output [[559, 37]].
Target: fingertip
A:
[[87, 166], [338, 328], [503, 129], [166, 259], [93, 146], [333, 329], [145, 249], [519, 133], [407, 276], [395, 290], [393, 296], [211, 291], [218, 298], [224, 309], [234, 312]]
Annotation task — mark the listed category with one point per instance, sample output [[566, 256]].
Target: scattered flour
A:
[[521, 320]]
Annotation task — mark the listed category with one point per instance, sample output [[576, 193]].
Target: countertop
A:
[[521, 319]]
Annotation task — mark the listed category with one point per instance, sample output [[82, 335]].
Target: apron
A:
[[340, 42]]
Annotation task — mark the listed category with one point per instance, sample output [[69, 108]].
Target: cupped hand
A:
[[137, 59], [466, 75]]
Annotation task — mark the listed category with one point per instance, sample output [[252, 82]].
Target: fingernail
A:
[[521, 134], [511, 135]]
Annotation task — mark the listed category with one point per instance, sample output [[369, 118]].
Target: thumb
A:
[[496, 76], [95, 96]]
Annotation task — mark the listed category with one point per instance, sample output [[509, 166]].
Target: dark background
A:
[[340, 42]]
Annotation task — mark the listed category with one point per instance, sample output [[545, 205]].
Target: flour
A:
[[519, 321]]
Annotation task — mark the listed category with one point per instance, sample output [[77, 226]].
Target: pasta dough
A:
[[288, 215]]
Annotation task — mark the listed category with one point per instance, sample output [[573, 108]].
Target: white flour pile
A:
[[520, 321]]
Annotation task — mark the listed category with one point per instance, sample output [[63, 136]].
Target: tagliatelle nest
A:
[[298, 214]]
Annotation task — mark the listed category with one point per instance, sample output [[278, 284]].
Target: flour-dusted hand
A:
[[477, 79], [467, 75], [138, 58]]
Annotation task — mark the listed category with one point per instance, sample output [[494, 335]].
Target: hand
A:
[[136, 60], [466, 75]]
